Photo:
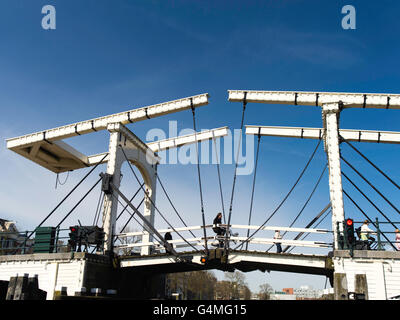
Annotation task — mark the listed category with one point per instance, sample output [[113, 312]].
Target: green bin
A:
[[44, 240]]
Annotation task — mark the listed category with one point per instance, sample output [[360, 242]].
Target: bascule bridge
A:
[[196, 247]]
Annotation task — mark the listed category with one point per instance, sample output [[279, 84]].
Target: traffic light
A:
[[203, 260], [349, 232], [73, 237], [93, 235]]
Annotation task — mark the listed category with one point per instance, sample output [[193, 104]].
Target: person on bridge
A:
[[220, 231], [397, 238], [366, 234], [277, 235], [167, 237]]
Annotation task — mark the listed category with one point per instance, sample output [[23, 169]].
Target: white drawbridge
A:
[[48, 149]]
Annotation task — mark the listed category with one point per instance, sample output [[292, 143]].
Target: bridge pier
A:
[[340, 286], [372, 273], [341, 291], [77, 270], [361, 285]]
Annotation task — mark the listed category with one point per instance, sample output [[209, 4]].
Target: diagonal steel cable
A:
[[219, 178], [169, 199], [371, 185], [308, 233], [78, 203], [306, 202], [161, 240], [368, 199], [371, 163], [226, 246], [152, 202], [254, 184], [133, 197], [199, 176], [287, 195], [362, 211]]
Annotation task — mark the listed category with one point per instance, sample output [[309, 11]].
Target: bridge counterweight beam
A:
[[390, 137]]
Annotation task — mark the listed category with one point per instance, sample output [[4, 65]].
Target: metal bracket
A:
[[106, 183]]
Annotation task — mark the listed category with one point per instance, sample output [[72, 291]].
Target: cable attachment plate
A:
[[191, 105], [105, 184]]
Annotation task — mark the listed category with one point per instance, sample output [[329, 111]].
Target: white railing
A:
[[234, 238]]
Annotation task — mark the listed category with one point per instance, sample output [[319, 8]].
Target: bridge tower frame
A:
[[125, 143], [332, 104], [330, 118], [48, 149]]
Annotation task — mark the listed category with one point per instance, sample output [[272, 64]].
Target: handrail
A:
[[200, 241], [27, 248], [233, 226], [380, 244], [21, 244]]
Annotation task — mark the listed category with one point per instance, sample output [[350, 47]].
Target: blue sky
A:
[[111, 56]]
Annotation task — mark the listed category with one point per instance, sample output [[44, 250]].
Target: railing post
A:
[[337, 232], [56, 240], [378, 235], [25, 238], [340, 237]]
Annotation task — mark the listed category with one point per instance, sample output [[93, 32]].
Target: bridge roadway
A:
[[242, 260]]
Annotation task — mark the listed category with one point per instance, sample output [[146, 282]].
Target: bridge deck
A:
[[245, 261]]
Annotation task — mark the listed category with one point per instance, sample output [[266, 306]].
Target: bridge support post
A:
[[110, 205], [330, 116], [125, 146], [340, 286], [148, 212], [360, 285]]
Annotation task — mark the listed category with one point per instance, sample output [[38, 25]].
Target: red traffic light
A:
[[73, 229], [203, 259], [349, 222]]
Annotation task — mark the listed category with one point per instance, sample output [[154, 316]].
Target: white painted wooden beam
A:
[[317, 133], [170, 143], [187, 139], [349, 100], [200, 241], [101, 123]]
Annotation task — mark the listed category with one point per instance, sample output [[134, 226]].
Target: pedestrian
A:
[[397, 238], [220, 231], [277, 235], [366, 234], [167, 237]]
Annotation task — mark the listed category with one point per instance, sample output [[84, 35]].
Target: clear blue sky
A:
[[110, 56]]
